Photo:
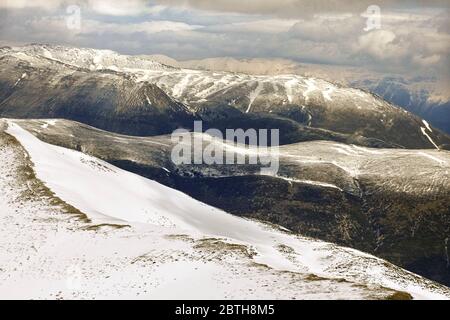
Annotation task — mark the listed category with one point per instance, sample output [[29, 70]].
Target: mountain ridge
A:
[[299, 106], [421, 95]]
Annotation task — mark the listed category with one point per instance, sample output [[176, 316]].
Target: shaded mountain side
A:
[[416, 95], [113, 101], [107, 100], [389, 202], [439, 115], [348, 111], [293, 127]]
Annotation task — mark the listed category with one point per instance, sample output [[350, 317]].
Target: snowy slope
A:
[[389, 202], [211, 252]]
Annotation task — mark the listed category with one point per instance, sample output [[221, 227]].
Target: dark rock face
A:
[[106, 100], [439, 115], [314, 211], [412, 230], [291, 130]]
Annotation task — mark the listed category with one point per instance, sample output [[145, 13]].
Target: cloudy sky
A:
[[412, 35]]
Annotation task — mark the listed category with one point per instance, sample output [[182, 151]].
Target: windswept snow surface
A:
[[117, 264]]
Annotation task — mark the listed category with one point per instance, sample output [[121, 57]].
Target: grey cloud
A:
[[325, 29], [407, 41], [300, 8]]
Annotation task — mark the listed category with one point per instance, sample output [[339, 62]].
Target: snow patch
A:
[[311, 182], [429, 138], [289, 89], [148, 100], [180, 87], [427, 125], [18, 80], [326, 94], [311, 86], [254, 94]]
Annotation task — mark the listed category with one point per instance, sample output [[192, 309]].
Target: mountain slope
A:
[[165, 251], [416, 95], [42, 87], [393, 203]]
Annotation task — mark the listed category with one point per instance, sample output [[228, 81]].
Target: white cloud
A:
[[21, 4], [256, 26], [379, 44], [326, 28], [104, 7], [299, 8], [426, 61], [123, 8], [57, 25], [92, 26]]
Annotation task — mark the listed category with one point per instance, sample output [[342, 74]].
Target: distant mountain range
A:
[[420, 95], [138, 96]]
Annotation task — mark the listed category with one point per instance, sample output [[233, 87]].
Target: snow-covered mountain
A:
[[425, 96], [389, 202], [92, 59], [46, 87], [112, 234], [54, 81]]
